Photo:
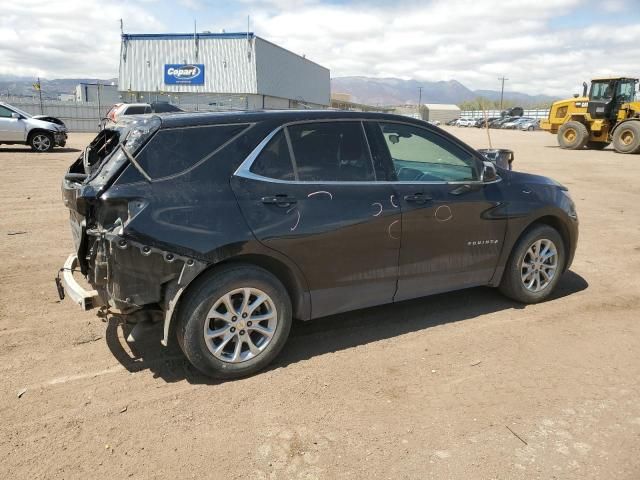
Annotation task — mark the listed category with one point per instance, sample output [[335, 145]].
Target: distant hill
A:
[[395, 91], [23, 86]]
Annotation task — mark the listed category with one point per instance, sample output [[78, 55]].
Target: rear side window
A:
[[331, 151], [137, 110], [173, 151], [274, 161]]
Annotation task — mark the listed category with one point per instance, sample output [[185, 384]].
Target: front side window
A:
[[5, 112], [331, 151], [174, 150], [603, 90], [626, 90], [422, 156]]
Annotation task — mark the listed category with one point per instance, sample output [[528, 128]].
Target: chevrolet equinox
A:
[[231, 224]]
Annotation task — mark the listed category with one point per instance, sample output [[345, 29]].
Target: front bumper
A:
[[87, 299], [60, 138]]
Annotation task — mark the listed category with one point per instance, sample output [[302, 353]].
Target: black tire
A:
[[573, 135], [41, 142], [192, 316], [512, 284], [597, 145], [626, 137]]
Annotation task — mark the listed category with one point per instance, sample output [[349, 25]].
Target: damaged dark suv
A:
[[232, 224]]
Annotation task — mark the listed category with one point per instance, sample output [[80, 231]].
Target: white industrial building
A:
[[98, 93], [440, 112], [219, 70]]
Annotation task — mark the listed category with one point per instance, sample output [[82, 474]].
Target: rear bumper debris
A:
[[87, 299]]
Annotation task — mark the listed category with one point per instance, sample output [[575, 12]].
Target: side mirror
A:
[[15, 115], [489, 173], [501, 157]]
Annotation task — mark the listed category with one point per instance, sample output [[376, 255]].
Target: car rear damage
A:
[[124, 274]]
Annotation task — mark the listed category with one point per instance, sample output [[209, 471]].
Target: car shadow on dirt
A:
[[326, 335]]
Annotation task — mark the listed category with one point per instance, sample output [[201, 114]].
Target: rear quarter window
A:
[[138, 110], [172, 151]]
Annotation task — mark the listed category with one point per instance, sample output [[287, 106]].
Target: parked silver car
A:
[[530, 125], [40, 132]]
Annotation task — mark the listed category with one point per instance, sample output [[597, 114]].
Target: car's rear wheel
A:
[[234, 322], [535, 265], [573, 135], [41, 142]]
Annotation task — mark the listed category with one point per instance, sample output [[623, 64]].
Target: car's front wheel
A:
[[41, 142], [234, 322], [535, 265]]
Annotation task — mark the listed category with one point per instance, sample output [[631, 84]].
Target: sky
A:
[[541, 46]]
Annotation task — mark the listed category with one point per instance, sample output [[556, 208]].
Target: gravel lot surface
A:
[[463, 385]]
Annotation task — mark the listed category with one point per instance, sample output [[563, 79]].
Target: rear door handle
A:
[[417, 198], [279, 200]]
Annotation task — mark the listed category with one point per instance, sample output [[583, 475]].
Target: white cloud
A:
[[67, 38], [473, 41]]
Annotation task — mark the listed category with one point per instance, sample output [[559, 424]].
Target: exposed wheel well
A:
[[280, 270]]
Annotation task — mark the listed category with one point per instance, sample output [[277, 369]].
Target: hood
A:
[[531, 179], [49, 119], [40, 123]]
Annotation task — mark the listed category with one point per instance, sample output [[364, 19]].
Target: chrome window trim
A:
[[244, 170], [249, 126]]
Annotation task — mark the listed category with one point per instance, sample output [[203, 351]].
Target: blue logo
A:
[[189, 74]]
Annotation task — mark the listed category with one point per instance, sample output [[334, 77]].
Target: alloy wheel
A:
[[539, 265], [240, 325], [41, 143]]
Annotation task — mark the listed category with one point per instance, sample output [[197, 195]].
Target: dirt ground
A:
[[464, 385]]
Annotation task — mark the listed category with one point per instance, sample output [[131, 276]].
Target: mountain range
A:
[[368, 90], [396, 91], [23, 86]]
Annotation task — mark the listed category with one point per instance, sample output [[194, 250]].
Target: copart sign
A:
[[188, 74]]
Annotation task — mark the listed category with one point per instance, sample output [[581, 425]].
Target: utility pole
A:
[[40, 94], [503, 79], [420, 102]]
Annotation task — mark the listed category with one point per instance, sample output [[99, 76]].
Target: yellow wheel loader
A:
[[609, 114]]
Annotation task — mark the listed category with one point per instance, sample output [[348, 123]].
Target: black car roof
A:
[[187, 119]]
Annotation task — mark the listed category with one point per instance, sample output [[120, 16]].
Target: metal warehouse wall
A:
[[442, 115], [228, 66], [281, 73]]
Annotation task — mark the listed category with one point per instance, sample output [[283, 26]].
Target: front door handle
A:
[[417, 198], [279, 200]]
